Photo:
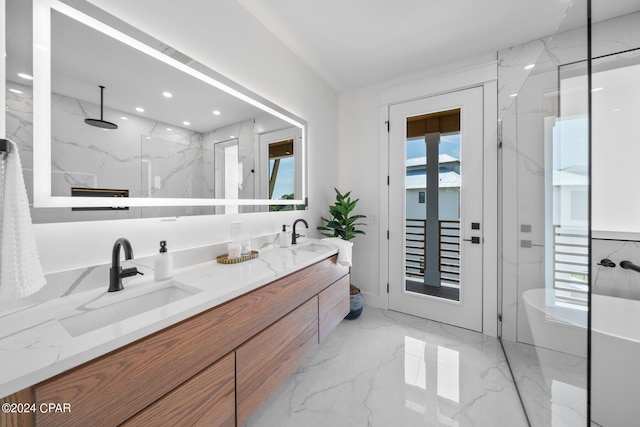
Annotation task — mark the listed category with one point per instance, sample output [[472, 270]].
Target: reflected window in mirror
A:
[[281, 170], [280, 152]]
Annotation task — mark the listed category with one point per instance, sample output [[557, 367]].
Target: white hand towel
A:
[[20, 270], [344, 249]]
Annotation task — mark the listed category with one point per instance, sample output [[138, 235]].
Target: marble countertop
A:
[[34, 344]]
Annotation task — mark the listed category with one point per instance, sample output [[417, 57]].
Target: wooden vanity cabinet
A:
[[333, 306], [207, 399], [184, 372], [267, 359]]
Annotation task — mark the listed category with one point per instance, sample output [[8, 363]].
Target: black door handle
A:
[[474, 239]]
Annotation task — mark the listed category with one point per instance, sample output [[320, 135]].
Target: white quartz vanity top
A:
[[34, 344]]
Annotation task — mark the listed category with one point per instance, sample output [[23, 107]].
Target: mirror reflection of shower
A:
[[101, 123]]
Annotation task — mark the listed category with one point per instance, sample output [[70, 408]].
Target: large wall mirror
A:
[[112, 123]]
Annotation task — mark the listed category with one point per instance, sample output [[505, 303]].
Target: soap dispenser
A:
[[163, 263], [284, 238]]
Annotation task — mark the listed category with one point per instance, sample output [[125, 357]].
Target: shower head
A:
[[99, 123]]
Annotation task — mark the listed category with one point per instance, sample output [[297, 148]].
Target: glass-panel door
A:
[[436, 185]]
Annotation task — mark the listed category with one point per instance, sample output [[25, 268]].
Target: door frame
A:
[[482, 75]]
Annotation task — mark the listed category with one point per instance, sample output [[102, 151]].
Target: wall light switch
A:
[[236, 229], [373, 218]]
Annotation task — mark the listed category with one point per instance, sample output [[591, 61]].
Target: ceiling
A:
[[355, 43]]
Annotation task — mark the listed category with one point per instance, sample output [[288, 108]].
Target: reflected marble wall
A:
[[83, 155]]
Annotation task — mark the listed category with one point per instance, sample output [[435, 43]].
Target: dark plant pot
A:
[[356, 305]]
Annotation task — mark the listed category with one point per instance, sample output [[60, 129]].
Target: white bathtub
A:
[[615, 350], [555, 328], [615, 361]]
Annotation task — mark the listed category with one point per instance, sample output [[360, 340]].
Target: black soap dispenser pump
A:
[[163, 263]]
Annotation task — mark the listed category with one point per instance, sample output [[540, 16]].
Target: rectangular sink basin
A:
[[124, 308], [312, 247]]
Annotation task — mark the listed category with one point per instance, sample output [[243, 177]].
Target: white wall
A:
[[224, 36], [616, 108]]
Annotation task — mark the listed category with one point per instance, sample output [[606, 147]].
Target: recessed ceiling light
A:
[[596, 89], [216, 112], [124, 118], [15, 91], [186, 123], [25, 76], [148, 137], [169, 129], [529, 67], [167, 94], [140, 109], [231, 136], [616, 110], [513, 95]]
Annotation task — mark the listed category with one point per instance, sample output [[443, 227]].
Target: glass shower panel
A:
[[615, 306], [544, 179]]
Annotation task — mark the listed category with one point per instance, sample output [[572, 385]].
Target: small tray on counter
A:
[[224, 259]]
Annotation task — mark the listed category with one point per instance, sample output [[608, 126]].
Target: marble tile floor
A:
[[553, 385], [391, 369]]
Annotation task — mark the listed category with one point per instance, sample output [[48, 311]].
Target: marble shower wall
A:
[[523, 157], [524, 174], [616, 282], [526, 102]]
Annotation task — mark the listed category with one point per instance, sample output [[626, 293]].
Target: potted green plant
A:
[[343, 224]]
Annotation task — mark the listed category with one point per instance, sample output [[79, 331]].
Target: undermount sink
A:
[[310, 247], [111, 308]]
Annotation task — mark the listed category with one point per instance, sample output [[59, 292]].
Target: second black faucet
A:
[[116, 272], [294, 236]]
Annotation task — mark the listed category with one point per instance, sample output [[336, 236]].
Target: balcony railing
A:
[[448, 253], [570, 258], [570, 265]]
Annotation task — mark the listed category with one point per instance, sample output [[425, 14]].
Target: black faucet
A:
[[294, 236], [116, 272]]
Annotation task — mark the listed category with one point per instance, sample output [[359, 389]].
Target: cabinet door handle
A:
[[474, 239]]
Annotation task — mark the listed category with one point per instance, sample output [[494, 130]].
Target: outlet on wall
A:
[[236, 229]]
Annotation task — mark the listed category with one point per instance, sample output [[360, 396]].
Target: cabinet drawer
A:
[[333, 306], [206, 400], [265, 361]]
